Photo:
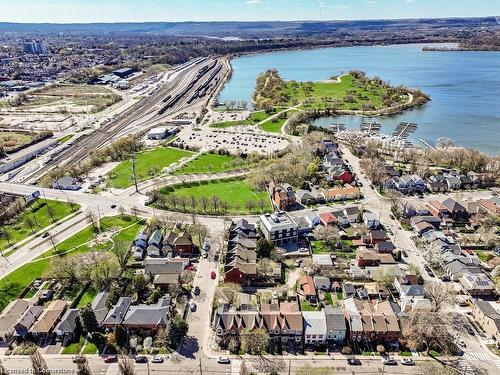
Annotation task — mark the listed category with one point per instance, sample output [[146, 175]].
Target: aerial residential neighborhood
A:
[[264, 196]]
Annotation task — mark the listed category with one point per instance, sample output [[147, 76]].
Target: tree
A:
[[30, 223], [121, 336], [198, 230], [139, 286], [329, 234], [444, 142], [395, 198], [92, 218], [106, 268], [413, 269], [126, 366], [264, 247], [88, 319], [255, 341], [250, 205], [488, 236], [265, 267], [177, 330], [52, 213], [66, 268], [121, 249], [186, 277], [380, 349], [38, 363], [384, 276], [82, 366], [346, 350], [439, 293], [228, 293], [3, 370], [427, 331]]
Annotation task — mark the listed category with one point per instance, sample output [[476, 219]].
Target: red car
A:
[[110, 358], [212, 275]]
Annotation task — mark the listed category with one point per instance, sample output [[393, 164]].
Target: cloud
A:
[[410, 1], [371, 3], [343, 6], [254, 2]]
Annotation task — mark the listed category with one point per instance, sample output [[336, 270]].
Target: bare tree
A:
[[329, 234], [30, 223], [126, 366], [384, 276], [264, 267], [439, 293], [52, 213], [193, 202], [427, 331], [215, 200], [204, 202], [38, 364], [262, 204], [92, 218], [250, 205], [3, 370], [82, 366]]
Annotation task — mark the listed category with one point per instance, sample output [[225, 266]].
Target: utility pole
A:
[[134, 171], [201, 368]]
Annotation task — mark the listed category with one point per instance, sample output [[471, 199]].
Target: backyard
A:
[[148, 164], [212, 197], [15, 282], [39, 215]]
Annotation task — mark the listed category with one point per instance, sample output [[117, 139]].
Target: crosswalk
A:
[[482, 356]]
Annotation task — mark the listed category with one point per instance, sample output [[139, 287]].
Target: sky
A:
[[84, 11]]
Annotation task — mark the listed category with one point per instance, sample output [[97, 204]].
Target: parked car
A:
[[113, 206], [445, 278], [353, 362], [79, 359], [470, 330], [461, 343], [389, 361], [405, 254], [392, 216], [407, 362], [223, 360], [45, 235], [196, 291], [205, 255], [192, 306], [111, 359], [157, 359], [213, 275], [141, 359]]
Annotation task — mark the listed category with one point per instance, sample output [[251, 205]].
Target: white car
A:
[[157, 359], [461, 343], [223, 360], [407, 362]]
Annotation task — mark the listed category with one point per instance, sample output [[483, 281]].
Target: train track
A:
[[138, 114]]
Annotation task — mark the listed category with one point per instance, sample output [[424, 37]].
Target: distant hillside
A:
[[247, 29]]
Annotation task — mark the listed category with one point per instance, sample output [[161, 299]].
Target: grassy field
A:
[[12, 140], [65, 139], [38, 212], [149, 164], [319, 95], [14, 283], [235, 193], [319, 247], [212, 163]]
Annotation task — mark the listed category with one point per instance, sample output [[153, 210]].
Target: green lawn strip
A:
[[234, 192], [14, 283], [148, 161], [306, 306], [87, 297], [65, 139], [328, 297], [74, 347], [275, 125], [38, 212], [319, 247], [209, 163], [90, 348], [214, 163]]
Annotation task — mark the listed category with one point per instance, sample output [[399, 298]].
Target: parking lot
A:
[[233, 141]]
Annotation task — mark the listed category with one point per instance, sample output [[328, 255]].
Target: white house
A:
[[314, 327]]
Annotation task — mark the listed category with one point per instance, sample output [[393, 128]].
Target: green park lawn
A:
[[313, 95], [66, 138], [15, 282], [209, 163], [319, 247], [233, 192], [38, 212], [149, 164]]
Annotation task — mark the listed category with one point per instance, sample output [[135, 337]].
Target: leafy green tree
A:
[[88, 319], [264, 247], [120, 336], [255, 341], [177, 329]]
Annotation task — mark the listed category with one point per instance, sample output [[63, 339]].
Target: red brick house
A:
[[282, 195], [183, 244]]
